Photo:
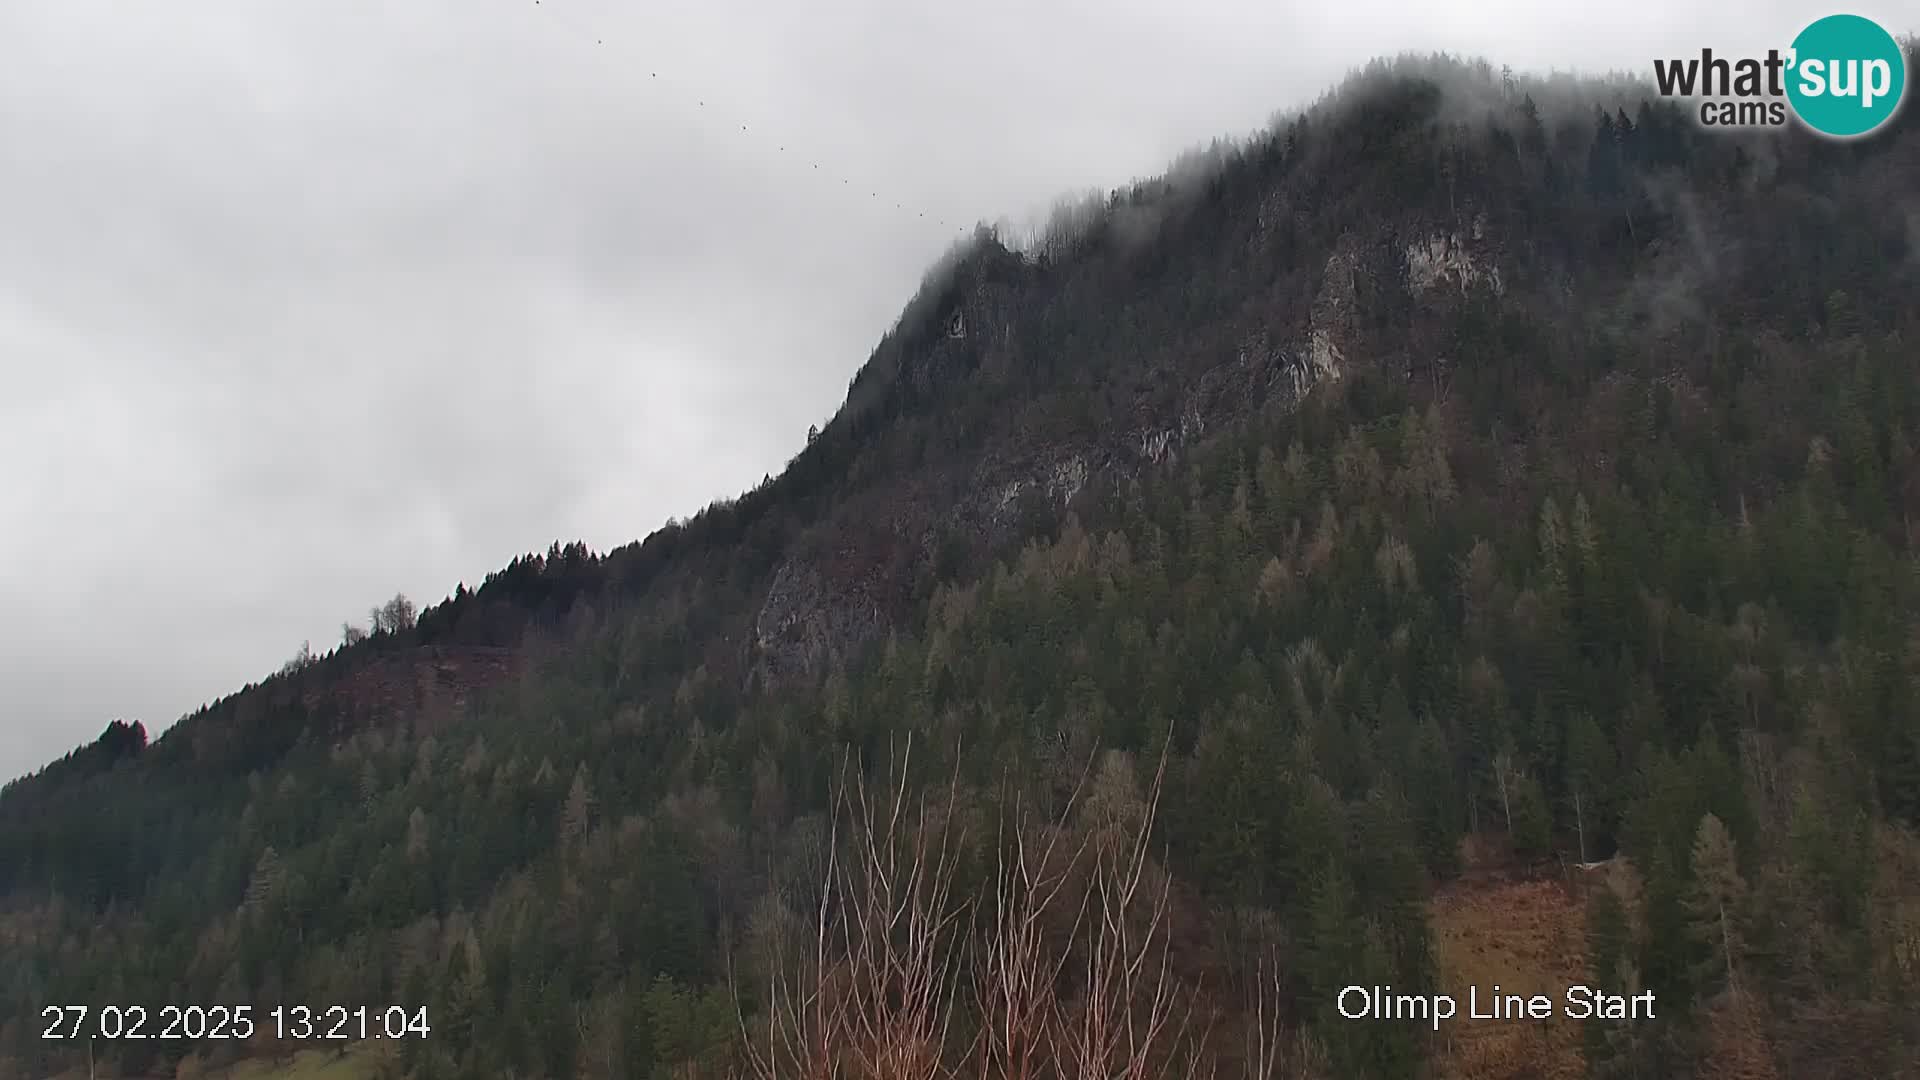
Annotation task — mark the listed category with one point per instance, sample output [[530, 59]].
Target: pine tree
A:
[[1532, 822], [1609, 949], [1590, 769], [1335, 941], [266, 885], [417, 834], [576, 815], [1585, 536], [369, 787], [1553, 546], [1716, 904]]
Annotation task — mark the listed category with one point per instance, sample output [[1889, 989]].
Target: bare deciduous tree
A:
[[876, 998], [1017, 971], [1121, 1027], [897, 933], [880, 994], [394, 616], [301, 660]]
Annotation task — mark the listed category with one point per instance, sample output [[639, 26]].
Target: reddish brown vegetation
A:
[[1527, 936], [429, 685]]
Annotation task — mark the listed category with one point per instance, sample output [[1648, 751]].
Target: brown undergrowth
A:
[[1525, 934]]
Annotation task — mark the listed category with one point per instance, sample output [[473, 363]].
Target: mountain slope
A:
[[1450, 465]]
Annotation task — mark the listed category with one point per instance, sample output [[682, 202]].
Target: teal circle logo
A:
[[1847, 76]]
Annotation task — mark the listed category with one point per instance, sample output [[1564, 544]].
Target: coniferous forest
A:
[[1473, 487]]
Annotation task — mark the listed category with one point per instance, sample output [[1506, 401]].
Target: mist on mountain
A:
[[1464, 531]]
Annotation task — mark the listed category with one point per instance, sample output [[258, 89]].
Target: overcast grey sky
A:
[[303, 302]]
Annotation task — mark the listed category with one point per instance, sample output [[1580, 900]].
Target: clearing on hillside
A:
[[1529, 937]]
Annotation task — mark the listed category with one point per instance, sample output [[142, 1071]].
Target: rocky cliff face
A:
[[1444, 260], [809, 619], [835, 593]]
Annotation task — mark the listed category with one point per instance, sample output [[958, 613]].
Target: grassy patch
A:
[[1527, 936]]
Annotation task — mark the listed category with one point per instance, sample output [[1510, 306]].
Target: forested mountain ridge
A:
[[1466, 462]]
